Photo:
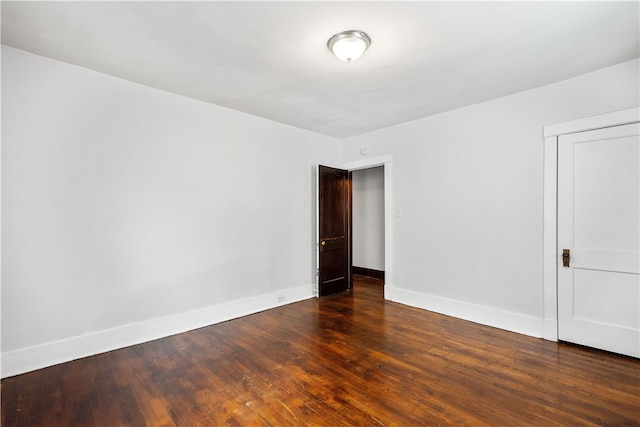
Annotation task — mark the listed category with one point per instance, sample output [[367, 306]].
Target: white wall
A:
[[470, 185], [131, 213], [368, 218]]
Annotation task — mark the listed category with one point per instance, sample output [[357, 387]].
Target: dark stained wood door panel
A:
[[335, 230]]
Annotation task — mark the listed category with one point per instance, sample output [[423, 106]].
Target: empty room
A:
[[320, 213]]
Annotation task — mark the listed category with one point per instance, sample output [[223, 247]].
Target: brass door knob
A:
[[566, 257]]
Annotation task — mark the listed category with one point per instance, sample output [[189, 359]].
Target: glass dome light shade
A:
[[349, 45]]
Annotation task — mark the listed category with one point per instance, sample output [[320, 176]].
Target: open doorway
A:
[[385, 162], [368, 223]]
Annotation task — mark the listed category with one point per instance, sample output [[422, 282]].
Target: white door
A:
[[599, 223]]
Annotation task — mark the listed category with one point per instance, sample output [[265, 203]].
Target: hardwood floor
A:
[[350, 359]]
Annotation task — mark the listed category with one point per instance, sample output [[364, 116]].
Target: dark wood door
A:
[[335, 230]]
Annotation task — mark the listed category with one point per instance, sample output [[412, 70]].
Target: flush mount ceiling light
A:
[[349, 45]]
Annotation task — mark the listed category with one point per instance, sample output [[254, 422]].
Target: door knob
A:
[[323, 243], [566, 257]]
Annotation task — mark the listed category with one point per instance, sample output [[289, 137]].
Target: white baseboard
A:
[[550, 329], [388, 292], [28, 359], [510, 321]]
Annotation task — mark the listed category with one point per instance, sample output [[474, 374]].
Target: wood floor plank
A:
[[347, 360]]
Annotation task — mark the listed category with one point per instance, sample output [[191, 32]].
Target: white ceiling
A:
[[270, 58]]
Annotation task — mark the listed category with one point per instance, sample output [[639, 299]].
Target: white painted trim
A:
[[367, 163], [550, 214], [388, 230], [550, 329], [387, 162], [315, 189], [550, 194], [622, 117], [510, 321], [52, 353]]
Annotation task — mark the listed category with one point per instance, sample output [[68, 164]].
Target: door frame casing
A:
[[386, 162], [551, 256]]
